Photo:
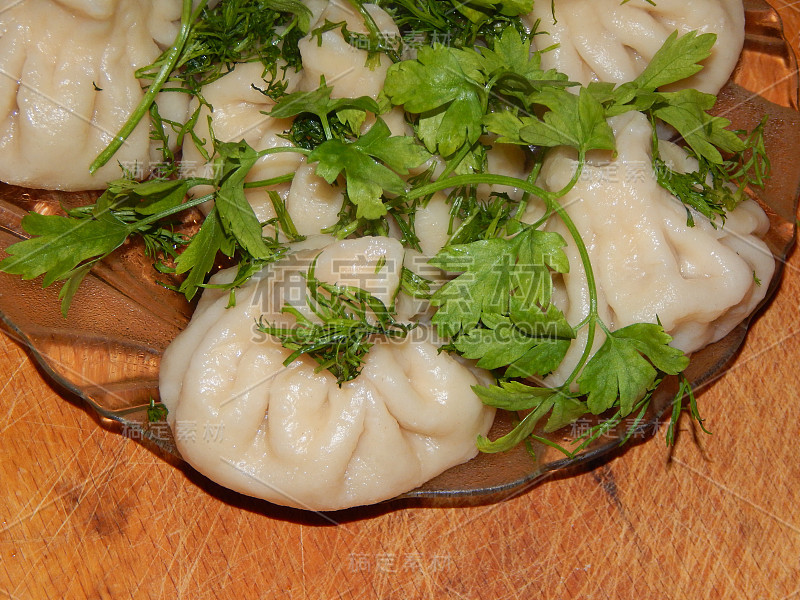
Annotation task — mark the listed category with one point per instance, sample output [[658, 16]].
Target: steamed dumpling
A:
[[239, 114], [345, 67], [291, 435], [67, 86], [648, 263], [606, 40]]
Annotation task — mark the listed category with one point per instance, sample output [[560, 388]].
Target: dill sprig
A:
[[715, 189], [208, 45], [349, 321], [238, 31], [455, 23]]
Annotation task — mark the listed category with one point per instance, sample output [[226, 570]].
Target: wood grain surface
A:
[[87, 513]]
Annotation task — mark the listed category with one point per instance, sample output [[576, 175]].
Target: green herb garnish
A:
[[347, 322]]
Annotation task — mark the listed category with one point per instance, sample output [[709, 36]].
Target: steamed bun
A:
[[291, 435], [648, 263], [67, 86], [606, 40]]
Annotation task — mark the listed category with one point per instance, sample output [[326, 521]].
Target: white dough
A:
[[503, 159], [432, 225], [648, 263], [312, 202], [292, 436], [343, 65], [606, 40], [238, 114], [53, 56]]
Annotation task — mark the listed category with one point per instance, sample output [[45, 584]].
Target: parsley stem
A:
[[369, 22], [152, 91], [591, 283], [267, 182], [553, 207], [552, 444], [173, 210], [526, 197], [453, 163], [475, 179], [326, 126], [281, 149]]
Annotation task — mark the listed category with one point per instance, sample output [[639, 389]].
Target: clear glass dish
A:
[[108, 350]]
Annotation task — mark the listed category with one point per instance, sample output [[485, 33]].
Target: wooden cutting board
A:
[[88, 513]]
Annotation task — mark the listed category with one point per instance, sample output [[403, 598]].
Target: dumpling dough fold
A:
[[67, 86], [291, 435], [648, 263], [607, 40]]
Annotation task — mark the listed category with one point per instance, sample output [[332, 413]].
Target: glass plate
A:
[[108, 350]]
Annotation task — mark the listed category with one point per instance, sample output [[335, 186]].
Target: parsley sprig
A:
[[481, 308], [372, 163], [64, 248]]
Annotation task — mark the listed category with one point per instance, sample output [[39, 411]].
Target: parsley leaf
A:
[[705, 134], [235, 212], [367, 178], [400, 152], [575, 121], [443, 86], [678, 58], [513, 69], [490, 271], [511, 53], [624, 368], [200, 255], [61, 244], [479, 11], [516, 396], [319, 103], [483, 286], [534, 346]]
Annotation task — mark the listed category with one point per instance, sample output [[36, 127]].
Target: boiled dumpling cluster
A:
[[67, 85], [239, 113], [291, 435], [649, 264], [610, 40]]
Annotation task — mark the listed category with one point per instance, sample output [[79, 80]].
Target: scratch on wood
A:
[[202, 548], [738, 496], [43, 503], [608, 483]]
